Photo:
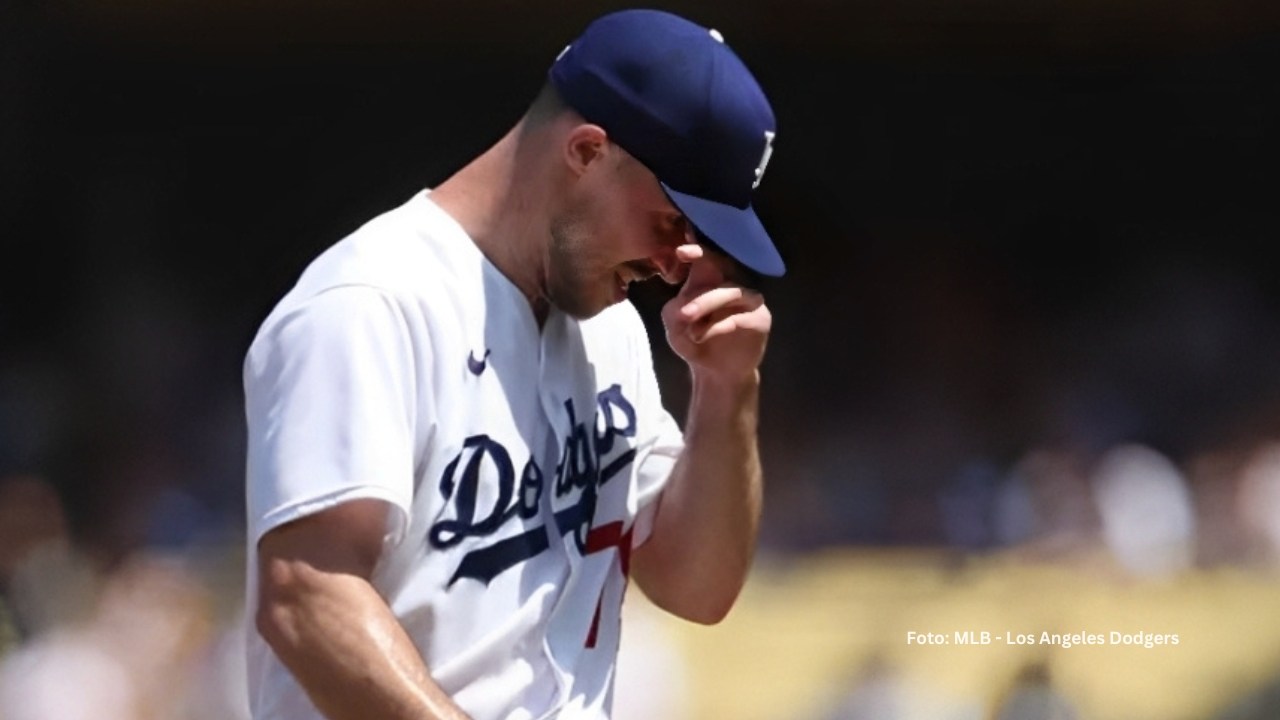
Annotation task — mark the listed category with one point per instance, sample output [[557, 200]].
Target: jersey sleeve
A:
[[329, 403], [660, 444]]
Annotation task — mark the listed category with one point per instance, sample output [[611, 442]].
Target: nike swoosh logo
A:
[[477, 366]]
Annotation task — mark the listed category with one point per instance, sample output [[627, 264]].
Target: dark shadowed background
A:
[[1018, 233]]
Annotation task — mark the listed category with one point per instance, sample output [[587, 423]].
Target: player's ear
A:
[[585, 144]]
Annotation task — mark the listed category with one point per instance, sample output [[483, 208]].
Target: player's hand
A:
[[718, 327]]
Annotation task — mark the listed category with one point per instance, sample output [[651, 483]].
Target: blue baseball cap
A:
[[672, 94]]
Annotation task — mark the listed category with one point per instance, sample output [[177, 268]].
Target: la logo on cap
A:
[[769, 135]]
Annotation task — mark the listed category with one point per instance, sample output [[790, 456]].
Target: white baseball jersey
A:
[[522, 463]]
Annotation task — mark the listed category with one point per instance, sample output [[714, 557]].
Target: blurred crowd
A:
[[152, 633], [1152, 515], [152, 627]]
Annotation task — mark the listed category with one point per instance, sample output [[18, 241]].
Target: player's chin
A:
[[610, 294], [584, 305], [601, 296]]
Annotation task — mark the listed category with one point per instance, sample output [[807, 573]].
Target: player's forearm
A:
[[697, 559], [339, 639]]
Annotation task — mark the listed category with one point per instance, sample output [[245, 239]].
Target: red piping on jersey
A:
[[599, 539]]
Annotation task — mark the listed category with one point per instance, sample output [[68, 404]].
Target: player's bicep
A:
[[308, 569], [347, 539]]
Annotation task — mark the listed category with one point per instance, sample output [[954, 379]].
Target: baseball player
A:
[[458, 453]]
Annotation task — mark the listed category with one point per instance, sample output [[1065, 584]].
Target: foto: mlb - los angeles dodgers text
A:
[[1137, 638]]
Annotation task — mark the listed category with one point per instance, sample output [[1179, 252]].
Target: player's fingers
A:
[[706, 271], [689, 252], [757, 320], [678, 272], [724, 326], [718, 299]]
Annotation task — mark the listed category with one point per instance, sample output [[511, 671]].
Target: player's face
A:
[[623, 228]]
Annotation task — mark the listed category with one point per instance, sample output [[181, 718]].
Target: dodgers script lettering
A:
[[590, 457]]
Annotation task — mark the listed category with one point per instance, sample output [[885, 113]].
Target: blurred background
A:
[[1024, 374]]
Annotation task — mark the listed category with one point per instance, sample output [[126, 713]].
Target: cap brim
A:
[[737, 231]]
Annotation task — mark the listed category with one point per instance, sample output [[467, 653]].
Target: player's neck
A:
[[500, 203]]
